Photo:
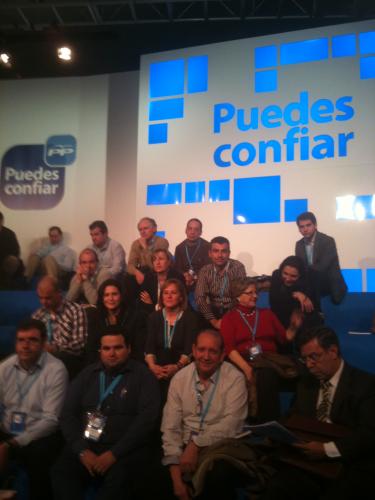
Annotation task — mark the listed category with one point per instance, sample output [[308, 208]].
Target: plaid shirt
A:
[[68, 325]]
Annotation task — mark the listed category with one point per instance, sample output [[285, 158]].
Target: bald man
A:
[[65, 322]]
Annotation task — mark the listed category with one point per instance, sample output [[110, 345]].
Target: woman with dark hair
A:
[[252, 339], [149, 293], [171, 333], [291, 293], [111, 311]]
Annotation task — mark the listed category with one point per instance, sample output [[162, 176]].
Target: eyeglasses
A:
[[314, 357]]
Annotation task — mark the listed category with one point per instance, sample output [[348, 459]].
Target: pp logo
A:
[[60, 150]]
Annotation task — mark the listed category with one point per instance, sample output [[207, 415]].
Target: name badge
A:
[[254, 351], [95, 425], [18, 422]]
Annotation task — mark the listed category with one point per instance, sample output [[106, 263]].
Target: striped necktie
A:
[[323, 409]]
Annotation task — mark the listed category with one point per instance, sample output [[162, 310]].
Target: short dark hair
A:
[[324, 335], [100, 224], [297, 263], [116, 330], [195, 220], [214, 333], [55, 228], [32, 324], [306, 216], [220, 240]]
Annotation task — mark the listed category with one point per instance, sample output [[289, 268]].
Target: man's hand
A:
[[139, 277], [189, 458], [88, 459], [180, 489], [313, 450], [104, 462], [170, 370], [189, 279], [158, 371], [216, 323]]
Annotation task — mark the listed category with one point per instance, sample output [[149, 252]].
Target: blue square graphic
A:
[[367, 42], [197, 74], [370, 278], [265, 57], [367, 67], [292, 208], [266, 81], [366, 204], [167, 78], [256, 200], [60, 150], [305, 51], [164, 194], [195, 192], [353, 279], [160, 233], [158, 133], [219, 190], [167, 109], [344, 45]]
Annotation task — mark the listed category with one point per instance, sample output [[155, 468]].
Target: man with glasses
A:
[[335, 393], [32, 390]]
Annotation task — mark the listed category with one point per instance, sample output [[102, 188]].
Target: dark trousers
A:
[[221, 482], [268, 399]]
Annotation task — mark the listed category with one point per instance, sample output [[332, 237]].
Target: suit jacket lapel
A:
[[341, 393]]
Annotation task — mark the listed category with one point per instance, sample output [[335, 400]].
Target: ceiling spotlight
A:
[[64, 53], [5, 59]]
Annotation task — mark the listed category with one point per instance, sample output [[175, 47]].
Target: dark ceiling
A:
[[110, 35]]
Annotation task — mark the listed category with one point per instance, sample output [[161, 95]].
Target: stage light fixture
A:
[[5, 59], [64, 53]]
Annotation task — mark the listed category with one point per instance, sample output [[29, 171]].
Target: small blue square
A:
[[158, 133], [370, 278], [266, 81], [167, 78], [60, 150], [160, 233], [367, 42], [353, 279], [292, 209], [367, 67], [197, 74], [265, 57], [344, 45], [195, 192], [219, 190], [164, 194]]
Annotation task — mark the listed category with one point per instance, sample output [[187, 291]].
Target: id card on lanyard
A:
[[18, 418], [95, 419], [255, 349], [203, 410], [190, 259]]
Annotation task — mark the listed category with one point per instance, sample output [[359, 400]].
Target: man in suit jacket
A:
[[337, 393], [319, 253]]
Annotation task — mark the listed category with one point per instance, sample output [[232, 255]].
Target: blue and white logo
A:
[[60, 150]]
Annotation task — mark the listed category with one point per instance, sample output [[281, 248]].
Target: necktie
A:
[[322, 412]]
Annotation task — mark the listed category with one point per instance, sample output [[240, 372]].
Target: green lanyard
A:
[[204, 409]]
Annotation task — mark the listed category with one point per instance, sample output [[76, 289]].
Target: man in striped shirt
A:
[[212, 293]]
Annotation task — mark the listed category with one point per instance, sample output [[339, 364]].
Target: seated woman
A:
[[291, 293], [110, 312], [171, 333], [252, 338], [162, 262]]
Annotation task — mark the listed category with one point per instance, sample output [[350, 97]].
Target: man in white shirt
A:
[[33, 384], [110, 253]]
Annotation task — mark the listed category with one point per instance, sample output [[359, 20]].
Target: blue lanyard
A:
[[204, 410], [168, 331], [190, 259], [49, 328], [253, 331], [103, 392], [225, 282], [26, 386]]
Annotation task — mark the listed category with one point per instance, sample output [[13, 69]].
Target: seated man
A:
[[207, 402], [318, 251], [336, 393], [10, 263], [33, 385], [110, 410], [65, 322], [212, 293], [142, 249], [192, 254], [54, 259], [88, 278], [110, 253]]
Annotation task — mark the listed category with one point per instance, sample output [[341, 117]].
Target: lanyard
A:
[[26, 385], [253, 331], [225, 282], [169, 331], [103, 392], [190, 259], [49, 328], [204, 409]]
